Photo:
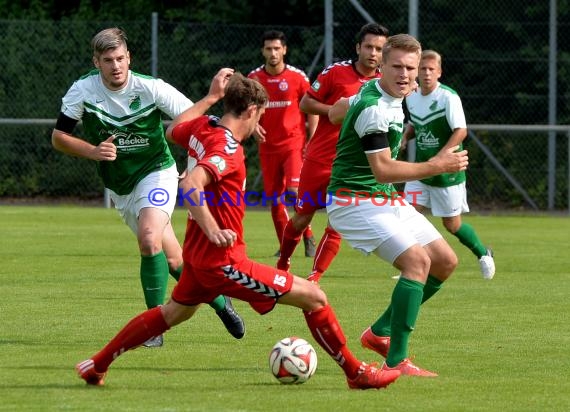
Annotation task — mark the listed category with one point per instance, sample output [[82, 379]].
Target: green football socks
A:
[[406, 301], [382, 326], [154, 277], [432, 286], [175, 273], [467, 236]]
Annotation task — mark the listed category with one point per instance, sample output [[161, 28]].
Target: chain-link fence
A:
[[495, 56]]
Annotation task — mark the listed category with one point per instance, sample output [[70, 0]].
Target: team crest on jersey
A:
[[219, 163], [283, 85], [433, 105], [135, 102]]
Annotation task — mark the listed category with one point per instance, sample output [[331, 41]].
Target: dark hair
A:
[[241, 93], [274, 35], [371, 28]]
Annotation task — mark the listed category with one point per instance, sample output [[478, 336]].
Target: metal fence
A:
[[496, 56]]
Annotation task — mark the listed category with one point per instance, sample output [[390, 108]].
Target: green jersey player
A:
[[368, 211], [438, 122], [121, 112]]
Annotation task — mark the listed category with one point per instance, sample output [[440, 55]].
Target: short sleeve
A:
[[370, 120], [320, 88], [72, 104], [454, 113], [169, 100]]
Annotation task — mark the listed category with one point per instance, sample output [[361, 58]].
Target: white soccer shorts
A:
[[387, 231], [158, 189], [443, 201]]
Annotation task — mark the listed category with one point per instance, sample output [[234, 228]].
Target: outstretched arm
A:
[[216, 92]]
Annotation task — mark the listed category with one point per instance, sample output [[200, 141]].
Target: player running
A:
[[121, 113], [338, 80]]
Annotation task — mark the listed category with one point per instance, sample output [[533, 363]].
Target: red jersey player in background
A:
[[282, 132], [342, 79], [214, 248]]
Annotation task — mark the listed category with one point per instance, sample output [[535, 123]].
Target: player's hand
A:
[[259, 134], [106, 150], [219, 82], [223, 237], [337, 112], [451, 161]]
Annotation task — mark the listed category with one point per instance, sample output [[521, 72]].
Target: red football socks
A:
[[290, 240], [327, 332], [327, 250], [280, 217], [141, 328]]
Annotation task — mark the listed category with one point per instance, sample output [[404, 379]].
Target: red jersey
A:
[[283, 120], [337, 80], [214, 148]]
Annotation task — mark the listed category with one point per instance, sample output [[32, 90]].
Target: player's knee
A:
[[416, 265], [451, 227], [451, 261], [424, 263], [313, 297], [174, 313], [452, 224], [444, 264], [148, 245], [317, 298]]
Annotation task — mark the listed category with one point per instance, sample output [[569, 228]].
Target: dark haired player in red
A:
[[215, 261], [282, 133], [342, 79]]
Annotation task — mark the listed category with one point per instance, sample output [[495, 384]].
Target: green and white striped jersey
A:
[[434, 118], [133, 115], [371, 111]]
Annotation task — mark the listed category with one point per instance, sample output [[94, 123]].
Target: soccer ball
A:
[[293, 360]]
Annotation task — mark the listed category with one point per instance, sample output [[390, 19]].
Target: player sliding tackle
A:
[[215, 261]]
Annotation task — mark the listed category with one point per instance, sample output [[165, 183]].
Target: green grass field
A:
[[69, 281]]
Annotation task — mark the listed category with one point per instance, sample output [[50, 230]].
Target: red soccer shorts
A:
[[281, 171], [312, 194], [259, 285]]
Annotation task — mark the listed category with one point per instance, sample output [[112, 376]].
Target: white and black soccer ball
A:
[[293, 360]]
